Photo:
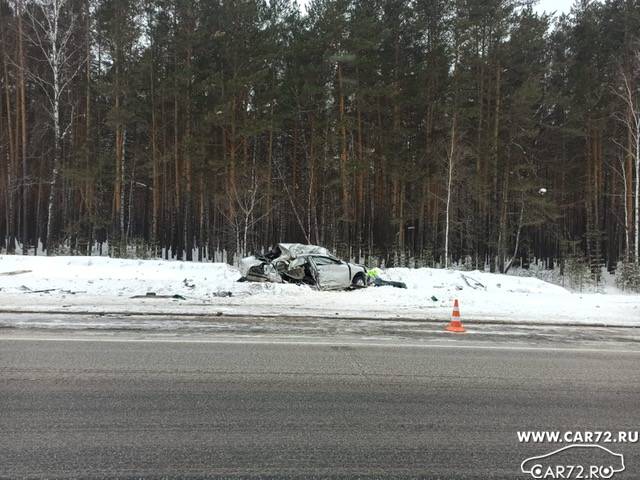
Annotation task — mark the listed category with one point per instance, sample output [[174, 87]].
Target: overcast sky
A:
[[560, 6]]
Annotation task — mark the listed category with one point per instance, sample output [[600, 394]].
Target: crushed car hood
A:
[[281, 252], [289, 251]]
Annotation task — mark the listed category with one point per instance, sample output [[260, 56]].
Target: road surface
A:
[[132, 405]]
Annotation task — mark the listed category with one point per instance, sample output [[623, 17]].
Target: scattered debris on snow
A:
[[472, 283], [153, 295], [15, 272], [100, 284]]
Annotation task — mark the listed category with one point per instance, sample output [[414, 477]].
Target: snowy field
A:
[[100, 284]]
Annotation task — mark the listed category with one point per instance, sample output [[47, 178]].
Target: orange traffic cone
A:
[[455, 325]]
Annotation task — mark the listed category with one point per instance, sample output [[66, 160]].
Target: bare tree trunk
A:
[[201, 222], [451, 158], [627, 173], [10, 161], [515, 249], [154, 160], [130, 203], [312, 177], [232, 149], [498, 254], [188, 167], [123, 140], [53, 183], [503, 225], [40, 195], [154, 148], [23, 133], [344, 173], [118, 185], [177, 184], [87, 137], [637, 192], [269, 177], [631, 121], [4, 187], [626, 191], [51, 211]]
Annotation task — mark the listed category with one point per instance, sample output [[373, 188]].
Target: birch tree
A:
[[451, 155], [629, 93], [52, 29], [452, 151]]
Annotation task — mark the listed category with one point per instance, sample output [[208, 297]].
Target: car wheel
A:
[[359, 281]]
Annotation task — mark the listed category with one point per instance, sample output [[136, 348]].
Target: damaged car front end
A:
[[303, 264]]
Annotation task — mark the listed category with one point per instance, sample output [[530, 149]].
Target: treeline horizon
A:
[[474, 131]]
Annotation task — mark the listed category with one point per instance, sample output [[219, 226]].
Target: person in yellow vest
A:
[[373, 276]]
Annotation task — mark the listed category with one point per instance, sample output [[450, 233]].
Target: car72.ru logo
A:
[[577, 461]]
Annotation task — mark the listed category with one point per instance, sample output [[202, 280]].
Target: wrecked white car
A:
[[303, 264]]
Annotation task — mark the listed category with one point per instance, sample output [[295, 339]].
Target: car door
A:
[[332, 274]]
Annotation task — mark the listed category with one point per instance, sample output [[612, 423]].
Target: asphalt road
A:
[[332, 330], [100, 406]]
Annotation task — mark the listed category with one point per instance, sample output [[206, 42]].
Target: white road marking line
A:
[[255, 341]]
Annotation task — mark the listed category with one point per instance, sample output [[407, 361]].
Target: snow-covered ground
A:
[[100, 284]]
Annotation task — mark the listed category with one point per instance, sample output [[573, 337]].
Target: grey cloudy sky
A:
[[559, 6]]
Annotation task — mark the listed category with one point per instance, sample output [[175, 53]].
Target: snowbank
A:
[[100, 284]]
